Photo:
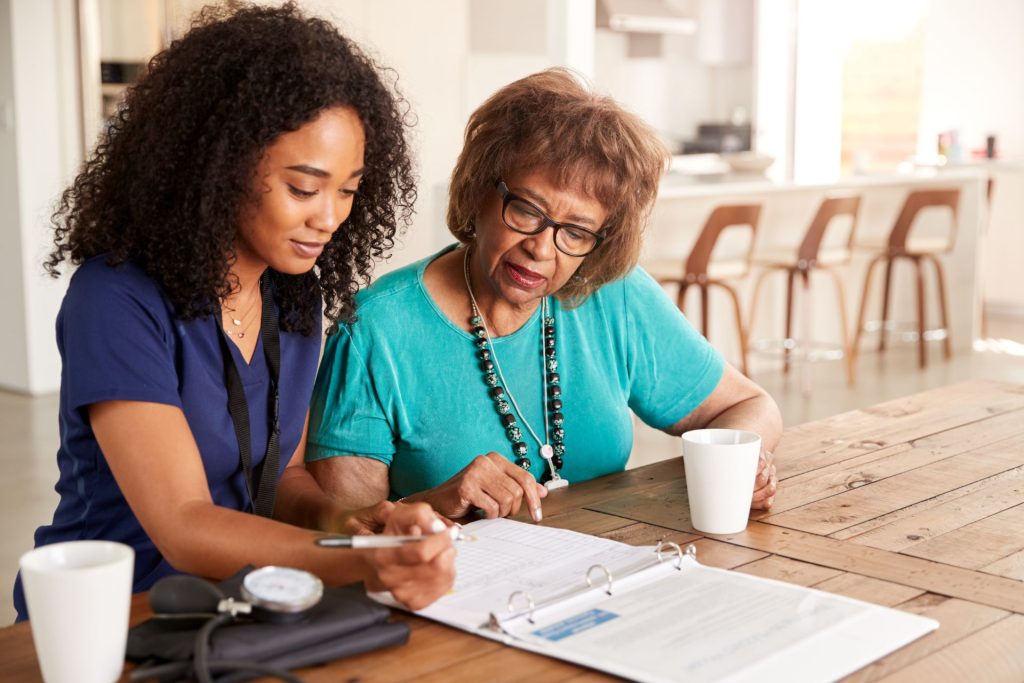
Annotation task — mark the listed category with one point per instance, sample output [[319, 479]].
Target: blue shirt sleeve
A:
[[672, 367], [115, 332], [347, 415]]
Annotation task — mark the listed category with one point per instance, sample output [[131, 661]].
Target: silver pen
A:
[[381, 540]]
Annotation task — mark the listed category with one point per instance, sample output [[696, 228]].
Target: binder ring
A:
[[529, 603], [662, 545], [607, 574]]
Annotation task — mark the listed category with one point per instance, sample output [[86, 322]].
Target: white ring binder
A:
[[691, 552], [608, 577], [662, 551], [529, 603]]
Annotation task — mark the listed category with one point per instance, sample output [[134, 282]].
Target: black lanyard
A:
[[261, 494]]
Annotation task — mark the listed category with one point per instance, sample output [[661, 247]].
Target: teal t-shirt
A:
[[403, 384]]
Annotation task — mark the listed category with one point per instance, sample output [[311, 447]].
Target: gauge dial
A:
[[282, 589]]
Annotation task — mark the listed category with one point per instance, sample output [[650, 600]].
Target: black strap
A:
[[261, 494]]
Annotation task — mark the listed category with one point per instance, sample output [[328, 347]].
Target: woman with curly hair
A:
[[245, 186], [549, 335]]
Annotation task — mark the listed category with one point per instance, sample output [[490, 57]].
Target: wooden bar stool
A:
[[901, 245], [703, 272], [811, 256]]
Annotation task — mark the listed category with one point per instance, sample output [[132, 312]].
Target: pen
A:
[[379, 540]]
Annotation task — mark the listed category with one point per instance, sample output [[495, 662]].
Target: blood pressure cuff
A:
[[344, 623]]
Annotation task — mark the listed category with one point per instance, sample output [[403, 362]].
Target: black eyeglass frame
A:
[[507, 197]]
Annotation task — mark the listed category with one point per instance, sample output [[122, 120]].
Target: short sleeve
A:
[[672, 367], [116, 338], [347, 416]]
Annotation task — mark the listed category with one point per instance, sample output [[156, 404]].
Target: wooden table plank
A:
[[429, 650], [902, 490], [816, 444], [714, 553], [929, 519], [869, 589], [790, 571], [847, 473], [508, 665], [995, 653], [582, 494], [637, 533], [1011, 566], [585, 522], [957, 618], [978, 544], [928, 575]]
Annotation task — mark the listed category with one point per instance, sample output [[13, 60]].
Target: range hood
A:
[[643, 16]]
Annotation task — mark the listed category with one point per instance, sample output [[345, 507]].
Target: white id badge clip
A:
[[556, 481]]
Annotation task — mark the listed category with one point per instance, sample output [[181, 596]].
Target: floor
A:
[[27, 452]]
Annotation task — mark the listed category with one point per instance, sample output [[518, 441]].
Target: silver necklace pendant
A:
[[240, 335], [237, 322]]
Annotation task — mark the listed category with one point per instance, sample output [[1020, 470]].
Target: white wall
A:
[[440, 71], [13, 342], [973, 66], [451, 55], [39, 150]]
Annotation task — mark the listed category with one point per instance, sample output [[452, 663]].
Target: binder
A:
[[657, 614]]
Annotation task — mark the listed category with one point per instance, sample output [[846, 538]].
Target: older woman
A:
[[517, 355]]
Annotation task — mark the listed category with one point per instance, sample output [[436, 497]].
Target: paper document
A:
[[652, 619]]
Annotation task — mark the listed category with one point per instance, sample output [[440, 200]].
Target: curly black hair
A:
[[177, 164]]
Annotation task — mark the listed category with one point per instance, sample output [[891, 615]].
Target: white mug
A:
[[721, 465], [78, 596]]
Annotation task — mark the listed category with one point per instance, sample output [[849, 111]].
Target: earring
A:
[[470, 231]]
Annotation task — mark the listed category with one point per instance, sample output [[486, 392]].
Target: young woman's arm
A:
[[154, 458]]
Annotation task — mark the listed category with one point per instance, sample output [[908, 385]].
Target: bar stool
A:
[[901, 245], [703, 272], [811, 256]]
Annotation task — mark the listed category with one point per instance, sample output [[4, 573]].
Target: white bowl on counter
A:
[[748, 162]]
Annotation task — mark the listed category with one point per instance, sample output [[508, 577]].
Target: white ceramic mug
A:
[[79, 596], [721, 465]]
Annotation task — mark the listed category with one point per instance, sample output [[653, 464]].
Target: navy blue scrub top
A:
[[120, 340]]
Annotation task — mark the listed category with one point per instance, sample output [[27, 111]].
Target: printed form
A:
[[665, 620]]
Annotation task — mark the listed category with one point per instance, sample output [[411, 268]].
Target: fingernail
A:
[[537, 514], [437, 526]]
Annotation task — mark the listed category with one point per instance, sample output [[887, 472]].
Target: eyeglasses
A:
[[528, 219]]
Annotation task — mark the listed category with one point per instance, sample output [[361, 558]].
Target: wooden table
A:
[[916, 503]]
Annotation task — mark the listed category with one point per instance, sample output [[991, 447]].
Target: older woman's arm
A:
[[352, 481], [738, 403]]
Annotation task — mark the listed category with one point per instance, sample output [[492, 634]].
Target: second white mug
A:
[[721, 465], [79, 596]]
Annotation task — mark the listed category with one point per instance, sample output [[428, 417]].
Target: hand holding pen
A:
[[416, 571]]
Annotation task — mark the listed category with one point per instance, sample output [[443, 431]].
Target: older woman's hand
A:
[[766, 483], [490, 483], [419, 573]]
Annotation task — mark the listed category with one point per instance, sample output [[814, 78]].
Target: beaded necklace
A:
[[553, 448]]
